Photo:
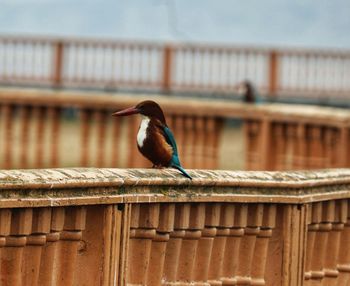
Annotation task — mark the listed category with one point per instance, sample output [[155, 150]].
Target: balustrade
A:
[[60, 129], [154, 227], [184, 68]]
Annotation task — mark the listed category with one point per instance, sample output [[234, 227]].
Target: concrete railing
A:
[[35, 120], [154, 227], [36, 134], [101, 63], [291, 137]]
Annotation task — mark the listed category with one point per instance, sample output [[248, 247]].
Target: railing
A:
[[35, 132], [65, 62], [291, 137], [103, 227]]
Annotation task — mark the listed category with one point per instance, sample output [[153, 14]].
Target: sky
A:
[[306, 23]]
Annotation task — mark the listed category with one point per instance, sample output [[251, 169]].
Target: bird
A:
[[249, 92], [155, 141]]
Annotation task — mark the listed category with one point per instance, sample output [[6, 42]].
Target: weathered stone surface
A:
[[100, 186], [85, 177]]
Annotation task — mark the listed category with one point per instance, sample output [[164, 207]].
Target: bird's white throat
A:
[[142, 134]]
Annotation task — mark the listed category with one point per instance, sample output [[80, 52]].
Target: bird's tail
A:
[[182, 171]]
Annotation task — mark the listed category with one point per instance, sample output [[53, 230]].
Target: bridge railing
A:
[[291, 137], [61, 129], [97, 63], [154, 227], [50, 129]]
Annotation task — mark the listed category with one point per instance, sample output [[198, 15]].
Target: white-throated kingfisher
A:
[[155, 141]]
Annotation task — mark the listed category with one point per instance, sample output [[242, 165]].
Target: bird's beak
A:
[[125, 112]]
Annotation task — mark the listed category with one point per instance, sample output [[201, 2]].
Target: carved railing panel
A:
[[45, 246], [295, 144], [201, 243], [326, 256]]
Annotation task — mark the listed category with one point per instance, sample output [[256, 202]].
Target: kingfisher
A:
[[249, 92], [155, 140]]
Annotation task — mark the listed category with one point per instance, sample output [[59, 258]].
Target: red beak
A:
[[125, 112]]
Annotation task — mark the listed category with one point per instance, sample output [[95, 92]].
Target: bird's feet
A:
[[157, 166]]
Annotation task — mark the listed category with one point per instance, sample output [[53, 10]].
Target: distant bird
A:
[[249, 92], [155, 141]]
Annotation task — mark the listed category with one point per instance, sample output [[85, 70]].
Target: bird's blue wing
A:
[[169, 137], [175, 161]]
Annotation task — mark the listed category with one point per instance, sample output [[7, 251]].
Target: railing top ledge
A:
[[113, 177], [197, 45], [174, 105], [77, 186]]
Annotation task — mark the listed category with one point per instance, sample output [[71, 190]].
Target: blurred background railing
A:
[[184, 68], [50, 129], [63, 129], [292, 137]]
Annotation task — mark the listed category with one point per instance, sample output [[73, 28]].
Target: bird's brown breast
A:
[[155, 148]]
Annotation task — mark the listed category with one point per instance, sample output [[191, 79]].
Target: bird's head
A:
[[146, 108]]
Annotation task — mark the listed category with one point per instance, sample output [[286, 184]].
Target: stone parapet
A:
[[88, 226]]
